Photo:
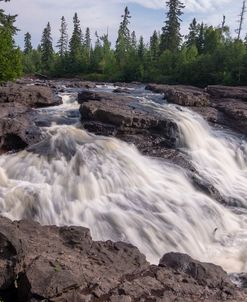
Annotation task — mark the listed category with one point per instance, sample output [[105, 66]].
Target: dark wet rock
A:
[[65, 264], [127, 116], [122, 90], [29, 95], [232, 103], [17, 128], [227, 92], [79, 84], [127, 85], [182, 95], [206, 274]]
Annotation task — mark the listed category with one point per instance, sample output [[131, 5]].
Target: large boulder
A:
[[232, 102], [17, 127], [33, 96], [181, 95], [227, 92], [124, 115], [56, 264]]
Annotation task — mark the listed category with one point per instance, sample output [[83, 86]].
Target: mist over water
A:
[[76, 178]]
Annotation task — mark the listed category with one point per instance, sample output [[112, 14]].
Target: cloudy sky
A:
[[99, 15]]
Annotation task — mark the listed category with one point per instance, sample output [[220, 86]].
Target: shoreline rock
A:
[[17, 117], [65, 264]]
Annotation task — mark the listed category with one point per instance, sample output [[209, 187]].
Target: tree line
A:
[[206, 55]]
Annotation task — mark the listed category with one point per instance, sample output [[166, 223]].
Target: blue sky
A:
[[99, 15]]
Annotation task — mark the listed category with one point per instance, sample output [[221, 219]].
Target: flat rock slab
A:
[[182, 95], [124, 115], [227, 92], [29, 95], [65, 264]]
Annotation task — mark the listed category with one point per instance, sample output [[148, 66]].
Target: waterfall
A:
[[76, 178]]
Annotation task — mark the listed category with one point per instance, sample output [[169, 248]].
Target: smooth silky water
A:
[[76, 178]]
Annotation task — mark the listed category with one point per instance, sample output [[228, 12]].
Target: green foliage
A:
[[10, 55], [47, 50], [208, 55], [27, 43], [171, 37], [62, 44]]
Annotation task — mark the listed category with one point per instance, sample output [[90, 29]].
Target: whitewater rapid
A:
[[106, 185]]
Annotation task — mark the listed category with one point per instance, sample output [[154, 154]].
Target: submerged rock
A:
[[65, 264]]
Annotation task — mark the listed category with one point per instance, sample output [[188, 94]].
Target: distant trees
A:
[[206, 55]]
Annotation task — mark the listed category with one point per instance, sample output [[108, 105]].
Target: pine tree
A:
[[192, 37], [201, 39], [154, 46], [123, 40], [76, 45], [141, 48], [133, 41], [171, 37], [46, 49], [87, 40], [27, 43], [62, 44]]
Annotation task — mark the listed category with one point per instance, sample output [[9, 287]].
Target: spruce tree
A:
[[62, 44], [87, 40], [171, 37], [27, 43], [133, 41], [46, 49], [141, 48], [154, 46], [201, 39], [75, 44], [192, 37], [123, 40]]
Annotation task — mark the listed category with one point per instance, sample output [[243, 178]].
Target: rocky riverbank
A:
[[39, 263], [64, 264]]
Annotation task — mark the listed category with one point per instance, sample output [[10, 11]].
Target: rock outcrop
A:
[[17, 118], [56, 264], [182, 95], [32, 96], [106, 113], [220, 105]]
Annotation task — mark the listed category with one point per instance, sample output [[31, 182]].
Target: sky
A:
[[103, 15]]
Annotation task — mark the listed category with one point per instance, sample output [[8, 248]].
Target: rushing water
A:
[[107, 185]]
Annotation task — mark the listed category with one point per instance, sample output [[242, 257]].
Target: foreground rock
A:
[[123, 116], [64, 264]]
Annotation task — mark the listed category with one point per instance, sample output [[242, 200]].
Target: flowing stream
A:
[[106, 185]]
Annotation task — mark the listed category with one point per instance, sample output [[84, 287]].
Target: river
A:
[[108, 186]]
